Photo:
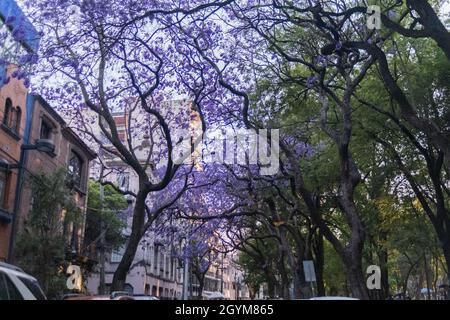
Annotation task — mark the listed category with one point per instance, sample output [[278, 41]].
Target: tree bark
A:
[[355, 276], [120, 275], [319, 262], [302, 289], [383, 260], [446, 249]]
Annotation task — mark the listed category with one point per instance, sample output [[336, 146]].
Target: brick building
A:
[[70, 152], [14, 101]]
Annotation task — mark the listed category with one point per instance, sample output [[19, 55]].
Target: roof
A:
[[50, 110], [80, 143], [67, 131]]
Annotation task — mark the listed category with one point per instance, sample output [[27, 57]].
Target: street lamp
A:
[[41, 145], [4, 164]]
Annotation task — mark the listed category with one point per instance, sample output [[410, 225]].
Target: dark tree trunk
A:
[[252, 292], [271, 288], [284, 279], [201, 285], [430, 20], [319, 262], [302, 289], [120, 275], [355, 276], [446, 249], [383, 260], [271, 283]]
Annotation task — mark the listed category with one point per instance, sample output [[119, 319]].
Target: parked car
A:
[[117, 295], [99, 297], [333, 298], [144, 297], [213, 295], [15, 284]]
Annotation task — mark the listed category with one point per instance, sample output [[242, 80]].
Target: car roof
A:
[[10, 266], [144, 297], [87, 297], [333, 298], [16, 271]]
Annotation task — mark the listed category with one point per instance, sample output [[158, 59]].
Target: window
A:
[[3, 292], [75, 168], [46, 130], [12, 116], [10, 292], [123, 180], [155, 258], [3, 176], [8, 112], [116, 255], [18, 117]]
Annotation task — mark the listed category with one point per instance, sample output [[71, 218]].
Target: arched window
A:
[[8, 112], [75, 168]]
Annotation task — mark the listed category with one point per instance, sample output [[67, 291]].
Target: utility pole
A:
[[185, 277], [236, 285], [221, 276], [102, 237]]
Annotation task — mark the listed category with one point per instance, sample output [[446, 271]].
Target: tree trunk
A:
[[120, 275], [427, 276], [319, 262], [383, 258], [284, 279], [201, 285], [302, 289], [271, 282], [446, 249], [353, 266]]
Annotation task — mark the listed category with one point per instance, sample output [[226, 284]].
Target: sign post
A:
[[310, 273]]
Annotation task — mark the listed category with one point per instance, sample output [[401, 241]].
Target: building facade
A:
[[70, 152], [14, 109]]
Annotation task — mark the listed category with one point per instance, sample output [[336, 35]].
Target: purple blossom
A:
[[321, 61], [10, 20], [311, 81]]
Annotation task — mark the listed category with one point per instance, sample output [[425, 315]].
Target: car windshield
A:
[[34, 287]]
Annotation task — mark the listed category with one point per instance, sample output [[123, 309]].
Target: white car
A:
[[15, 284], [144, 297], [333, 298]]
